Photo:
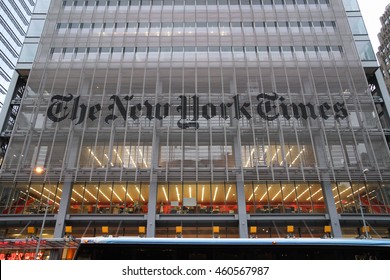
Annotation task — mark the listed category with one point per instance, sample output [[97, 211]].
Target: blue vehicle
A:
[[128, 248]]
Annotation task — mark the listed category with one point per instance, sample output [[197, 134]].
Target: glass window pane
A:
[[289, 198], [351, 5], [357, 25], [275, 197], [317, 198], [365, 50], [35, 27], [346, 198], [28, 53]]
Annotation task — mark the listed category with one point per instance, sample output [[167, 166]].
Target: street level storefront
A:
[[194, 198], [25, 249]]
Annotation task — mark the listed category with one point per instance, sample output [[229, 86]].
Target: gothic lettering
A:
[[58, 108], [270, 107]]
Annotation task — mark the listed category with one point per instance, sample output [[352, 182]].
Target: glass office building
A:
[[14, 21], [197, 113]]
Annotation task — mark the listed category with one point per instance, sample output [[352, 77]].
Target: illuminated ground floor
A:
[[199, 208]]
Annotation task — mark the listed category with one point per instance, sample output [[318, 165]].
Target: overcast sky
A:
[[372, 10]]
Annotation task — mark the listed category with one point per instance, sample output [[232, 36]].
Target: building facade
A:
[[375, 78], [15, 19], [384, 51], [22, 25], [198, 114]]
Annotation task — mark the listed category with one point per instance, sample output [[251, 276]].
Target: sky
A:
[[372, 10]]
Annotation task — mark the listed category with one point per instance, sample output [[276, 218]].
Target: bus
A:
[[133, 248]]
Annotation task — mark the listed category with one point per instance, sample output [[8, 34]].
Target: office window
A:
[[30, 198], [351, 5], [260, 24], [196, 198], [365, 50], [28, 52], [35, 28], [357, 25], [280, 197]]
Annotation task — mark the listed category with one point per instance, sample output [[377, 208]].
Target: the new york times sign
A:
[[269, 107]]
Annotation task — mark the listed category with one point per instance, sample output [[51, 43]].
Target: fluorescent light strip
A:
[[227, 195], [165, 193], [177, 193], [118, 156], [252, 194], [117, 196], [131, 158], [102, 193], [142, 197], [46, 189], [127, 194], [302, 194], [313, 194], [342, 192], [215, 194], [95, 157], [249, 158], [143, 159], [109, 160], [90, 193], [286, 156], [357, 191], [277, 194], [190, 191], [265, 194], [202, 193], [288, 195], [48, 198], [300, 153], [277, 151], [79, 195]]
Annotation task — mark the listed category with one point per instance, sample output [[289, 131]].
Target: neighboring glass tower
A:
[[234, 114], [15, 18], [21, 28]]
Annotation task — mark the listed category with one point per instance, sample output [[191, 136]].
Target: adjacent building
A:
[[211, 115], [384, 53], [15, 19]]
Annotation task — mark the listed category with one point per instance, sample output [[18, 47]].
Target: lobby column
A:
[[327, 187], [331, 206], [62, 210], [151, 217], [242, 215], [67, 187], [152, 204], [241, 203], [61, 216]]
